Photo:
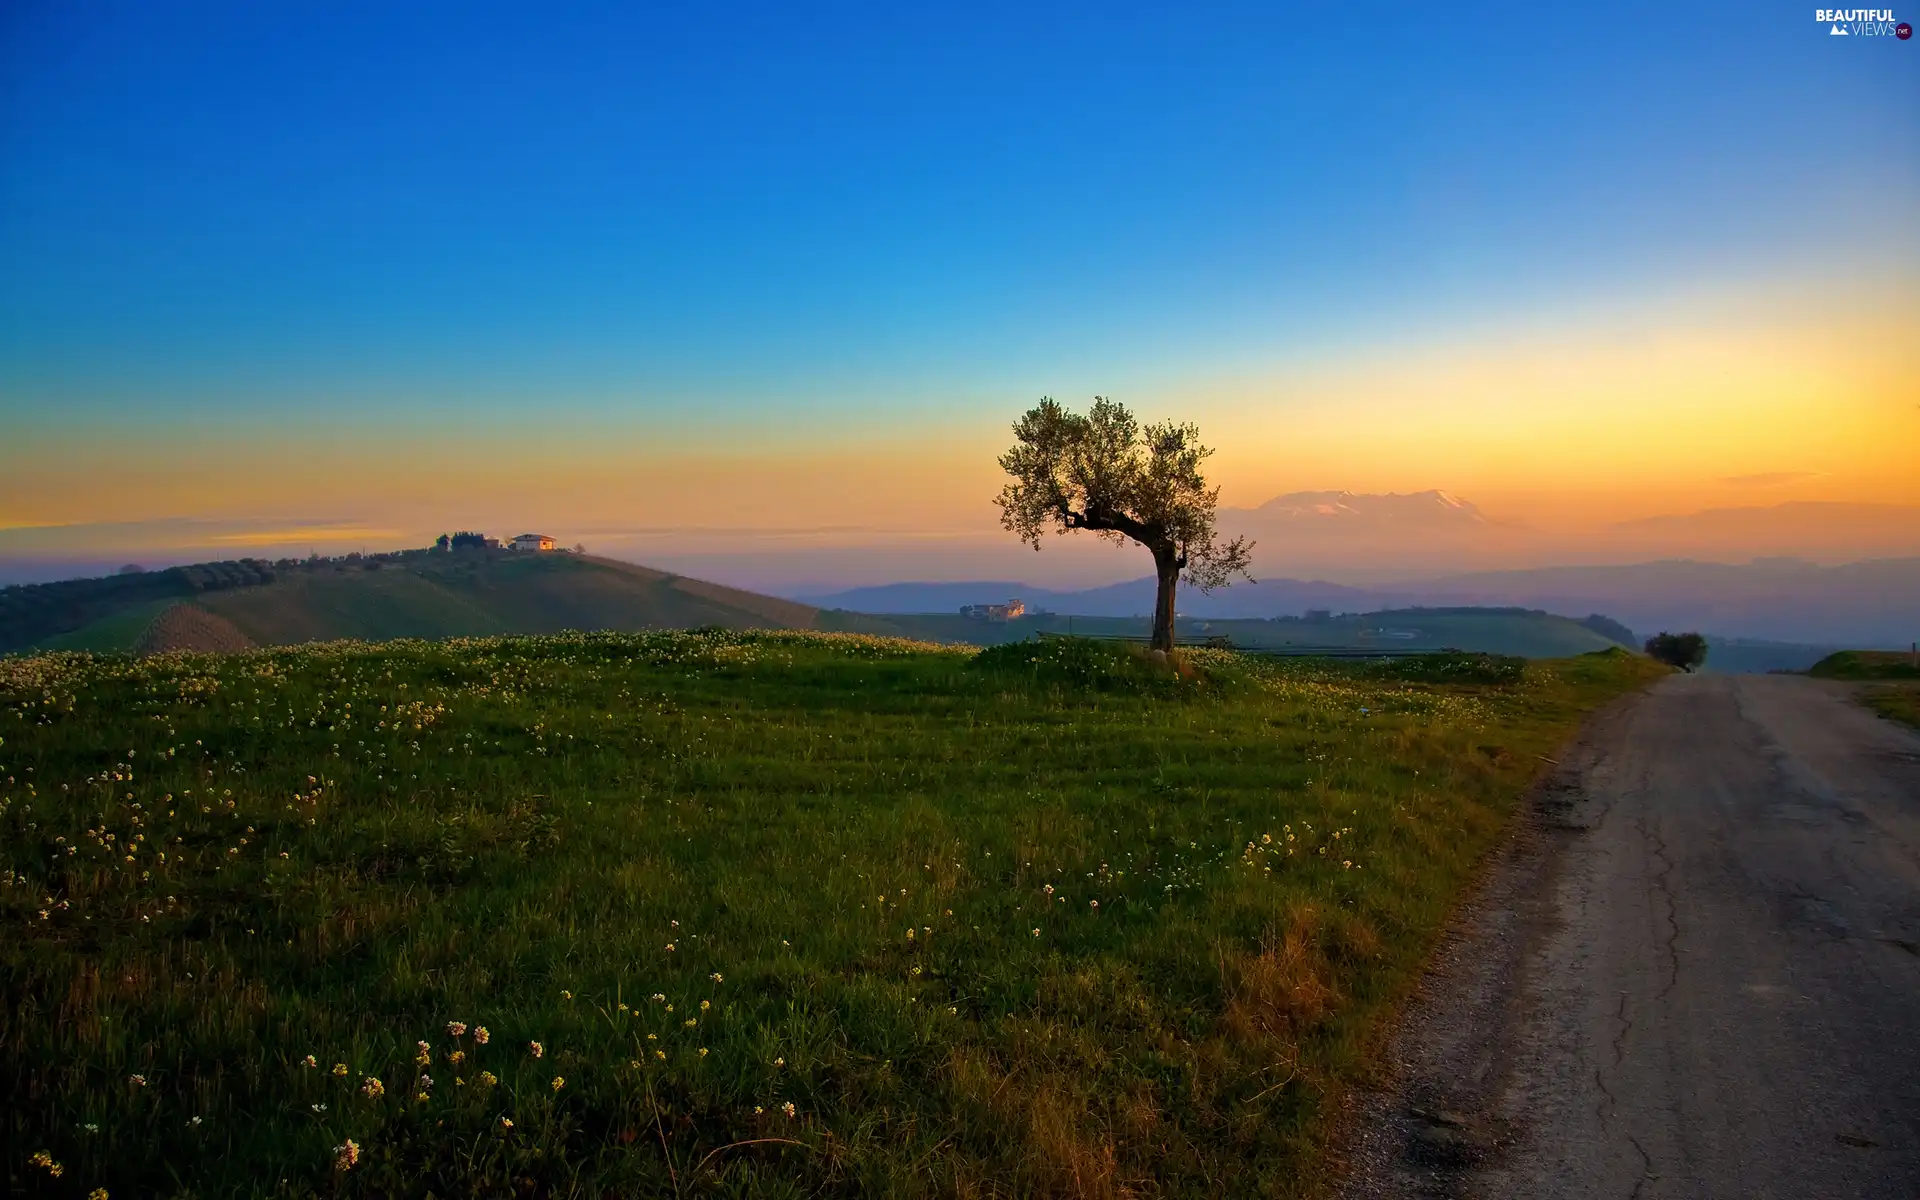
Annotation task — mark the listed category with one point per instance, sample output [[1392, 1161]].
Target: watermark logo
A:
[[1862, 22]]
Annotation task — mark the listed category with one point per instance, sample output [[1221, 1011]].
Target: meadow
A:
[[719, 914]]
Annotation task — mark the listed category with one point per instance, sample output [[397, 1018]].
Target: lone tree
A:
[[1104, 472], [1683, 650]]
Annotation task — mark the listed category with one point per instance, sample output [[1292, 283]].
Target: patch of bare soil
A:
[[189, 627]]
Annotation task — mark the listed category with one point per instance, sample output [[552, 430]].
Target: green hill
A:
[[118, 630], [475, 592], [1524, 633], [110, 613], [1867, 664], [416, 594], [451, 595], [1893, 676]]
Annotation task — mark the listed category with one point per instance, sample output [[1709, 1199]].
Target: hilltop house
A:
[[531, 541], [1009, 611]]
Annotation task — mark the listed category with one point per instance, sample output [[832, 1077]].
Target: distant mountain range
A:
[[1822, 529], [1358, 535], [1345, 533], [1873, 603], [1411, 510]]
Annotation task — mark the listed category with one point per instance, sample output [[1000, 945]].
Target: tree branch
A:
[[1112, 522]]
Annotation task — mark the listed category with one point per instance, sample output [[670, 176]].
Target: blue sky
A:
[[303, 220]]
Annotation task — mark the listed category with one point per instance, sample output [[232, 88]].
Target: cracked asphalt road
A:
[[1695, 974]]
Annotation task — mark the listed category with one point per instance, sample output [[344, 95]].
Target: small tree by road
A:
[[1683, 650], [1106, 473]]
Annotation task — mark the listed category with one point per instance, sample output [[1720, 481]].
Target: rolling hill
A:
[[437, 594], [412, 594]]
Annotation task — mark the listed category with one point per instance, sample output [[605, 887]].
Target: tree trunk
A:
[[1168, 570]]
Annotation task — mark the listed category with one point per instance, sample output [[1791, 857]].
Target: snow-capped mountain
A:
[[1320, 532], [1431, 507]]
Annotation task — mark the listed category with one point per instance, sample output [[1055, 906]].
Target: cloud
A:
[[1770, 479], [187, 533], [306, 533]]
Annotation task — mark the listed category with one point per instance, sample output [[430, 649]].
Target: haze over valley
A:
[[1816, 572]]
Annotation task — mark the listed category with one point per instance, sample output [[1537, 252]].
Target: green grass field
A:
[[723, 914]]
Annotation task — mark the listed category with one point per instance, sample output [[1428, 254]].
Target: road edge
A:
[[1432, 1116]]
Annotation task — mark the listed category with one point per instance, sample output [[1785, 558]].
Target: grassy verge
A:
[[776, 914], [1896, 679], [1900, 702]]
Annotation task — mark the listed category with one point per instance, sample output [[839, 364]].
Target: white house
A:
[[531, 541], [1010, 611]]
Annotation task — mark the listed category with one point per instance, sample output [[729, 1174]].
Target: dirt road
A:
[[1695, 974]]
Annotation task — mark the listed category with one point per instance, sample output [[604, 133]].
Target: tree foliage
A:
[[1106, 473], [1686, 651]]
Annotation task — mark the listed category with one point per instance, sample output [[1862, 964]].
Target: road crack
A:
[[1662, 885], [1647, 1173], [1620, 1039]]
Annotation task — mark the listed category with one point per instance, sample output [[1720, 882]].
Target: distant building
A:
[[531, 541], [1319, 614], [1009, 611]]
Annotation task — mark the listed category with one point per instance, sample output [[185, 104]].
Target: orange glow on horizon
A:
[[1563, 430]]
